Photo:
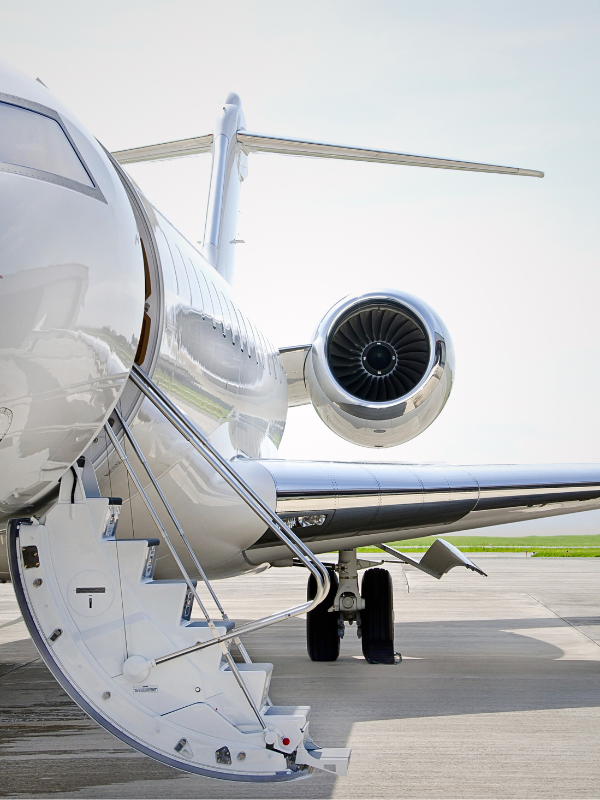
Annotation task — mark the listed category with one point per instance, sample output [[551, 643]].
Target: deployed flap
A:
[[294, 359], [438, 560]]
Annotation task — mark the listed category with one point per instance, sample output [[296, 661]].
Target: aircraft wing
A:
[[337, 505]]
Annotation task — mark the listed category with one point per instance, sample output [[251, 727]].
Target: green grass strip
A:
[[539, 546]]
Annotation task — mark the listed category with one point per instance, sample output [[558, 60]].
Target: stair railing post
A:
[[218, 639], [235, 481], [170, 512], [247, 494]]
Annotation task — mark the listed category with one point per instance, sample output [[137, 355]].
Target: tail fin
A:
[[229, 168], [231, 144]]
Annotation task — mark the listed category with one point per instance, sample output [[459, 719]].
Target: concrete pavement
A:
[[498, 695]]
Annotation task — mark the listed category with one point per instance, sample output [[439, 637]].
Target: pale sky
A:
[[511, 264]]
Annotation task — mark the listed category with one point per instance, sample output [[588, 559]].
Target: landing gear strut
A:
[[371, 609]]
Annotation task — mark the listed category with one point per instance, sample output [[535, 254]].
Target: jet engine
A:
[[380, 368]]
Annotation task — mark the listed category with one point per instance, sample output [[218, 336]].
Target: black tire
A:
[[322, 638], [377, 617]]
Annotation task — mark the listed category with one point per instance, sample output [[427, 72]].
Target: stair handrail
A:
[[201, 444], [142, 459], [226, 654]]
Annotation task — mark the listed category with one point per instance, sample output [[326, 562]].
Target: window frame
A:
[[42, 175]]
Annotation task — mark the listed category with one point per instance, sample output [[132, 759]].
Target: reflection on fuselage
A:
[[212, 358], [228, 379]]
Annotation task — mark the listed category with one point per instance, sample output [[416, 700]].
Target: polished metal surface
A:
[[71, 306], [229, 382], [380, 424], [229, 169], [375, 502], [244, 491], [294, 360], [141, 458], [72, 299]]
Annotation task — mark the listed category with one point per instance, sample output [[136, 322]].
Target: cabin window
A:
[[34, 141]]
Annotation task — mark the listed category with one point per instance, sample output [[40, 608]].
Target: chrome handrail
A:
[[141, 458], [250, 497], [226, 654]]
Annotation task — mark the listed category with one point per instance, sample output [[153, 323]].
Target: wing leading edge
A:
[[336, 505]]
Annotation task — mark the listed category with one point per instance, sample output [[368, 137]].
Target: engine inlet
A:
[[379, 353]]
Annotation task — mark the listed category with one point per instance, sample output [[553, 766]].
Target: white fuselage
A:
[[85, 263], [221, 371]]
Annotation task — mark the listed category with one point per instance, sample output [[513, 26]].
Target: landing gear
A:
[[322, 634], [377, 617], [371, 608]]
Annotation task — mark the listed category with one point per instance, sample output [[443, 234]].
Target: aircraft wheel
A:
[[377, 617], [322, 638]]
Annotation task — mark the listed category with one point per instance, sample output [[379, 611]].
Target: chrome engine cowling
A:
[[380, 368]]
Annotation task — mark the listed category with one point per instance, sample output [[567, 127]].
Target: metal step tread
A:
[[228, 624]]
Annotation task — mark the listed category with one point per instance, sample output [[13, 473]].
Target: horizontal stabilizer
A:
[[161, 152], [263, 143]]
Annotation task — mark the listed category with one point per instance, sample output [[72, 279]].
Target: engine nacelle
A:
[[380, 368]]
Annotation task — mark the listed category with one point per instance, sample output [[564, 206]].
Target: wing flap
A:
[[438, 560]]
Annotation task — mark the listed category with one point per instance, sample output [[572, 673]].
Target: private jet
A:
[[141, 412]]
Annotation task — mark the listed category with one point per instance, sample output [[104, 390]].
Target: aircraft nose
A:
[[71, 296]]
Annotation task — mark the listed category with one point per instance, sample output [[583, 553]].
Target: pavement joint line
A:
[[12, 622], [563, 619], [69, 756], [4, 674]]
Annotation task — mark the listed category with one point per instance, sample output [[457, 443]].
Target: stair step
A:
[[91, 604], [329, 759], [137, 558], [228, 624], [288, 711], [257, 678]]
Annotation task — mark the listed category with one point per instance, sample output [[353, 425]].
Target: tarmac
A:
[[497, 696]]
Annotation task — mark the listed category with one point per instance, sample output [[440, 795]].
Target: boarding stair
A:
[[124, 646]]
